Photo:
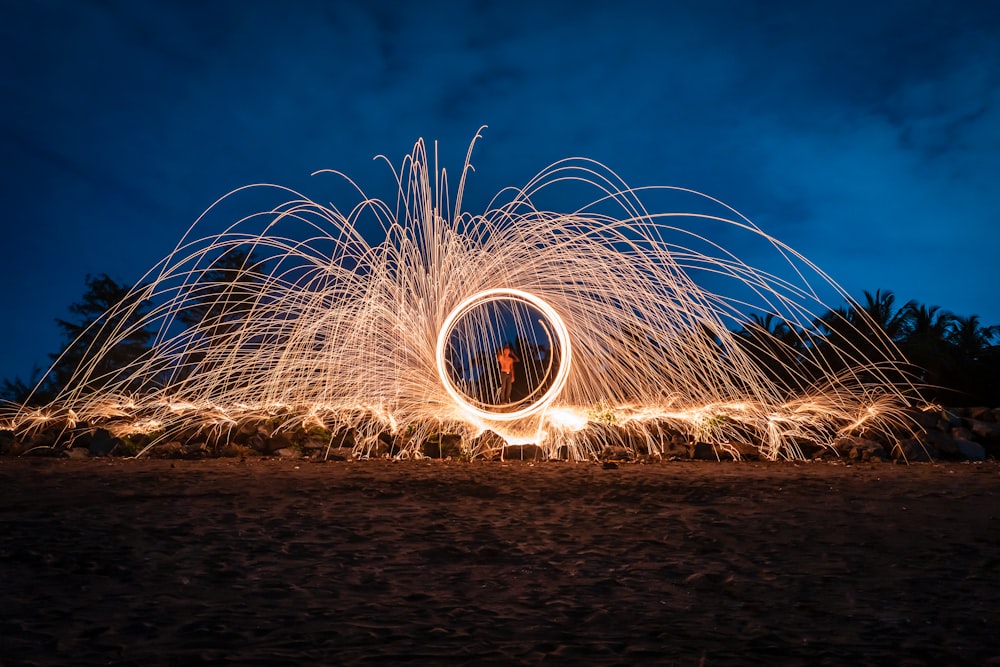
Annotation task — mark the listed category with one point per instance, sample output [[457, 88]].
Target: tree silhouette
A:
[[840, 340], [776, 345], [865, 328], [864, 331], [221, 294], [957, 356], [925, 342], [955, 353], [971, 339], [107, 319], [20, 391], [976, 360], [219, 302], [879, 314]]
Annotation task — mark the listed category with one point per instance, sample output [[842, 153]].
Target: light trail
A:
[[291, 316]]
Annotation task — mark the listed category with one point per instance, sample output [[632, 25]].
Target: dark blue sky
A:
[[865, 134]]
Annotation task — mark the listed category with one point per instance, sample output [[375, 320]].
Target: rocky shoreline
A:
[[939, 435]]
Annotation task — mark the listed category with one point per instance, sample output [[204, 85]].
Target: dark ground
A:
[[110, 561]]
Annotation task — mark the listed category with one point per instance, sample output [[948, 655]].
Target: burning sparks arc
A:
[[533, 406], [293, 315]]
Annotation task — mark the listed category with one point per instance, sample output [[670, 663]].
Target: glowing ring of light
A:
[[500, 294]]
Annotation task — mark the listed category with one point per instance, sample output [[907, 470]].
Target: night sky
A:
[[864, 134]]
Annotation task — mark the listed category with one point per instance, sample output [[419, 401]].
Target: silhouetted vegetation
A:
[[956, 357], [107, 315], [216, 306]]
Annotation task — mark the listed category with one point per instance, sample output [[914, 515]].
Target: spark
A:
[[293, 314], [567, 418]]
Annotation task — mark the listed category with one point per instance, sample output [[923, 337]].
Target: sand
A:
[[272, 562]]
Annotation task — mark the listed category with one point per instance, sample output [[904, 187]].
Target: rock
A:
[[442, 446], [972, 451], [938, 443], [602, 440], [706, 451], [431, 448], [486, 445], [338, 454], [595, 437], [749, 452], [615, 453], [40, 439], [638, 444], [860, 449], [289, 453], [911, 450], [193, 450], [234, 450], [257, 443], [810, 449], [279, 440], [676, 448], [187, 433], [314, 444], [382, 445], [924, 419], [166, 450], [960, 432], [984, 431], [867, 432], [9, 444], [243, 432], [265, 430], [981, 413], [388, 443], [562, 453], [451, 445], [345, 437], [843, 444], [522, 453], [951, 417], [102, 443], [46, 452]]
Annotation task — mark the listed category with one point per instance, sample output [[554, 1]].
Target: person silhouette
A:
[[506, 358]]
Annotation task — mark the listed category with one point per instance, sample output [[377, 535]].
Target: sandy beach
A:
[[275, 562]]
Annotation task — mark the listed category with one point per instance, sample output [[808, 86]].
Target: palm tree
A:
[[776, 345], [976, 360], [926, 326], [971, 339], [879, 311], [843, 343], [925, 341]]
